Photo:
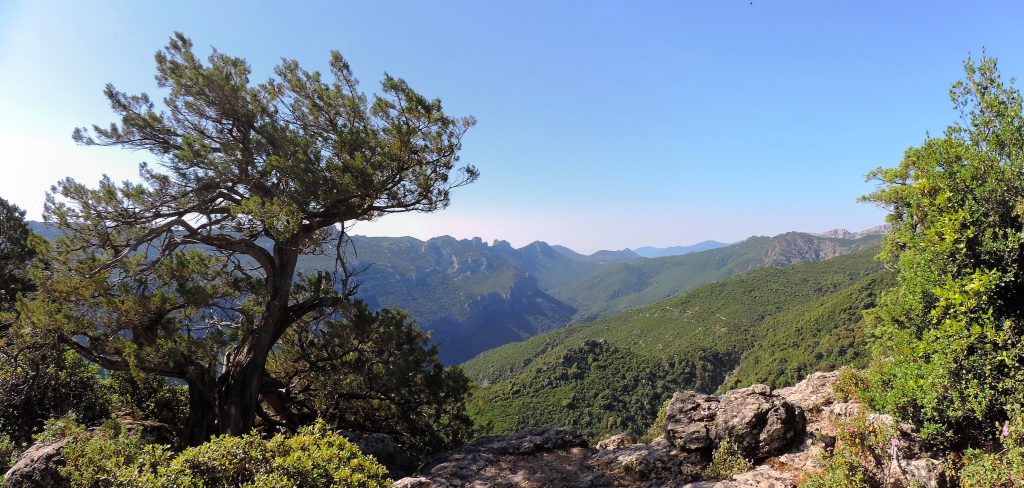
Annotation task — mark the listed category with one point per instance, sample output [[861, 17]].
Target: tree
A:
[[948, 338], [15, 254], [373, 372], [191, 273]]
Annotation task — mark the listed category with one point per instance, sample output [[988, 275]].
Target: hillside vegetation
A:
[[612, 374], [643, 282]]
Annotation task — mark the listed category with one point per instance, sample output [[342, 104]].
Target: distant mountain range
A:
[[660, 252], [474, 296], [880, 230]]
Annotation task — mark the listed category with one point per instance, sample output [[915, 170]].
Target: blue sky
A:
[[602, 125]]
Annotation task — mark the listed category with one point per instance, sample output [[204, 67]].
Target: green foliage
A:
[[375, 372], [948, 338], [8, 454], [15, 253], [37, 384], [657, 427], [640, 283], [611, 375], [987, 469], [150, 398], [114, 457], [854, 460], [850, 383], [191, 273], [726, 462]]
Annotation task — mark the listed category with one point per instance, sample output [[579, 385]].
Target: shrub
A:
[[726, 462], [849, 384], [947, 338], [658, 427], [853, 462], [112, 456], [39, 384]]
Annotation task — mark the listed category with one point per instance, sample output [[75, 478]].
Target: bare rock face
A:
[[761, 424], [616, 441], [39, 466], [533, 458], [652, 465], [813, 393], [689, 420], [558, 457]]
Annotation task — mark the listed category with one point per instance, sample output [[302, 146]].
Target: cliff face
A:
[[787, 433]]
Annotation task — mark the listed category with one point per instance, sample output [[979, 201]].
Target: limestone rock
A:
[[534, 458], [617, 440], [37, 467], [761, 424], [689, 419], [813, 393]]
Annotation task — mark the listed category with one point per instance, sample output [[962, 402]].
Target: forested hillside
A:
[[640, 283], [612, 374]]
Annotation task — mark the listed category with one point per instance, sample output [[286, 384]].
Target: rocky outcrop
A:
[[786, 431], [384, 448], [761, 424], [37, 467]]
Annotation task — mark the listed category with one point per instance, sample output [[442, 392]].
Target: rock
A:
[[760, 423], [38, 466], [688, 420], [617, 440], [534, 458], [384, 448], [813, 393], [649, 465], [924, 472]]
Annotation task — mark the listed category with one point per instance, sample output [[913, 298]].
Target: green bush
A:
[[115, 457], [658, 427], [862, 452], [849, 384], [726, 462], [947, 338], [37, 384]]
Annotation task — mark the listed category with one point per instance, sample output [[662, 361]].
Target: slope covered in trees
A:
[[613, 374]]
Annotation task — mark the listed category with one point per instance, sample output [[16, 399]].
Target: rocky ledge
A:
[[785, 432]]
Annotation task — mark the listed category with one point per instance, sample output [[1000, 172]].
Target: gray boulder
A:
[[689, 419], [760, 423], [37, 467]]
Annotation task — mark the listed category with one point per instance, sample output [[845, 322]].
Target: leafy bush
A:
[[948, 337], [112, 456], [37, 384], [861, 456], [1003, 467], [374, 372], [849, 384], [726, 462], [658, 427]]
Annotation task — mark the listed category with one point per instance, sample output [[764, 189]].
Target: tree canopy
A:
[[190, 273], [948, 337]]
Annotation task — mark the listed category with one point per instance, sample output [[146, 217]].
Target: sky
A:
[[601, 125]]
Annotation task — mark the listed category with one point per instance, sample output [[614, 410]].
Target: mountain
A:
[[660, 252], [879, 230], [471, 295], [642, 282], [767, 325], [474, 296]]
